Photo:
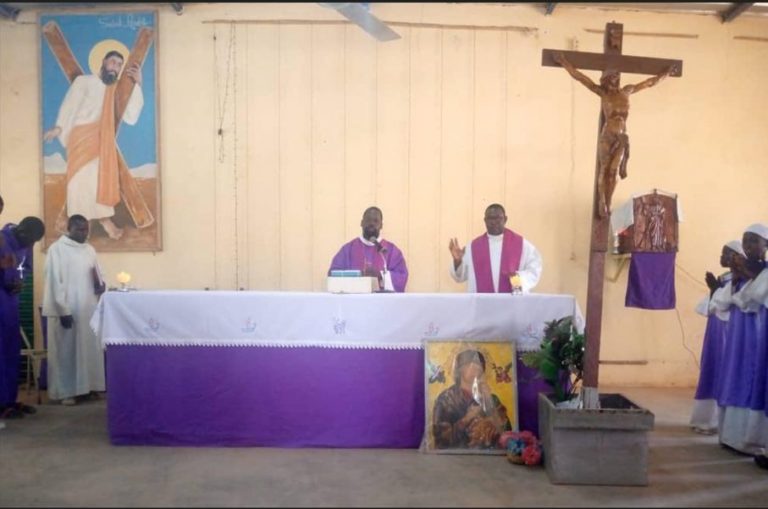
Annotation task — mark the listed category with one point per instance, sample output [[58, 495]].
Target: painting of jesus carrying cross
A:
[[99, 127]]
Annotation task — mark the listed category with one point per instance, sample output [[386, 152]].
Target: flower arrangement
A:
[[560, 360], [523, 448]]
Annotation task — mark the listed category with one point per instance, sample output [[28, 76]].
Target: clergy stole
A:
[[654, 234], [511, 252]]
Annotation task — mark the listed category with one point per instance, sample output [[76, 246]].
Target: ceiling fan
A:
[[360, 14]]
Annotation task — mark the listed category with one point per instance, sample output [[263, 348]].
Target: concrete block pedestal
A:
[[606, 446]]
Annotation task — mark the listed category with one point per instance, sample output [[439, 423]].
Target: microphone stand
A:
[[382, 250]]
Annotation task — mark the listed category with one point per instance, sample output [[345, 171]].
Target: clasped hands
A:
[[66, 321]]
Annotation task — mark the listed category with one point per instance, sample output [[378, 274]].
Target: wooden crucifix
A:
[[129, 191], [612, 156]]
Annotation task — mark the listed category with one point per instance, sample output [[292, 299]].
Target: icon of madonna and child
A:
[[470, 414]]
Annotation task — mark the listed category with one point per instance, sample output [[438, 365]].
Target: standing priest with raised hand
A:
[[372, 255], [492, 259]]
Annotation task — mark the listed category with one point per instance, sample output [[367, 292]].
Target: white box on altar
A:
[[345, 284]]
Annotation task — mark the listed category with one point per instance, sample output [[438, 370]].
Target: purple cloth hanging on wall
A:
[[651, 283]]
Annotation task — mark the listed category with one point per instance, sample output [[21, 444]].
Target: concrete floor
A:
[[62, 457]]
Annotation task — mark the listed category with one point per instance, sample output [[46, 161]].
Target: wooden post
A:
[[611, 58]]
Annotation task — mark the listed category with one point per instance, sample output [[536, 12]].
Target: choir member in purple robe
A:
[[372, 255], [15, 259], [743, 422], [704, 417]]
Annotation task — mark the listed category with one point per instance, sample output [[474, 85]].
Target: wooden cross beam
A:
[[610, 60], [617, 62], [129, 190]]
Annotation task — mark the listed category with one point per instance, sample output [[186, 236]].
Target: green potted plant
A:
[[560, 360], [607, 445]]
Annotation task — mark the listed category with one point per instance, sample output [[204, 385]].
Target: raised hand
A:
[[456, 251]]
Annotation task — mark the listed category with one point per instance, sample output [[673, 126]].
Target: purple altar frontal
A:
[[275, 397], [262, 396], [296, 369]]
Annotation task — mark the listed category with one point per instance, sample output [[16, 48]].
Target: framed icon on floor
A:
[[470, 395]]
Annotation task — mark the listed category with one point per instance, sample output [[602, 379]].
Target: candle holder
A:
[[516, 283], [123, 278]]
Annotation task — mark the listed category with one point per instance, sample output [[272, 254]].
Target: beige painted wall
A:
[[320, 121]]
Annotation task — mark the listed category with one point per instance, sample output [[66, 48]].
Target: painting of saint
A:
[[99, 116]]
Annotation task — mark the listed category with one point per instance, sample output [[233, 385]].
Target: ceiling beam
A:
[[178, 7], [6, 11], [734, 10], [549, 7]]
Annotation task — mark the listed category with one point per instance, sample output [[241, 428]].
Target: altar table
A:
[[295, 369]]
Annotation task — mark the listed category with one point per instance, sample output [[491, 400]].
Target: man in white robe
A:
[[85, 126], [502, 251], [73, 285]]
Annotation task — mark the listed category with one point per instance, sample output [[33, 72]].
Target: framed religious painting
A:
[[99, 126], [471, 395]]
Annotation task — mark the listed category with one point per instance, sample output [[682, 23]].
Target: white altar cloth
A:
[[297, 319]]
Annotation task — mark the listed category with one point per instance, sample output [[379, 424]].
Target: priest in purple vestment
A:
[[15, 258], [492, 258], [372, 255]]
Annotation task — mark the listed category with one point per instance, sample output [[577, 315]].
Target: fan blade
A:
[[358, 15]]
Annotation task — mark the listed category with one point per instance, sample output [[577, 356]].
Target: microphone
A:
[[379, 248]]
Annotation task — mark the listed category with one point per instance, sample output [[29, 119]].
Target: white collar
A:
[[71, 242], [495, 237], [368, 242]]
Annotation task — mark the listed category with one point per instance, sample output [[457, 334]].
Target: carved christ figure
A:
[[613, 144]]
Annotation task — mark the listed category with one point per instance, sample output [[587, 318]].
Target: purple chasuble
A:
[[651, 283], [357, 255], [511, 252]]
